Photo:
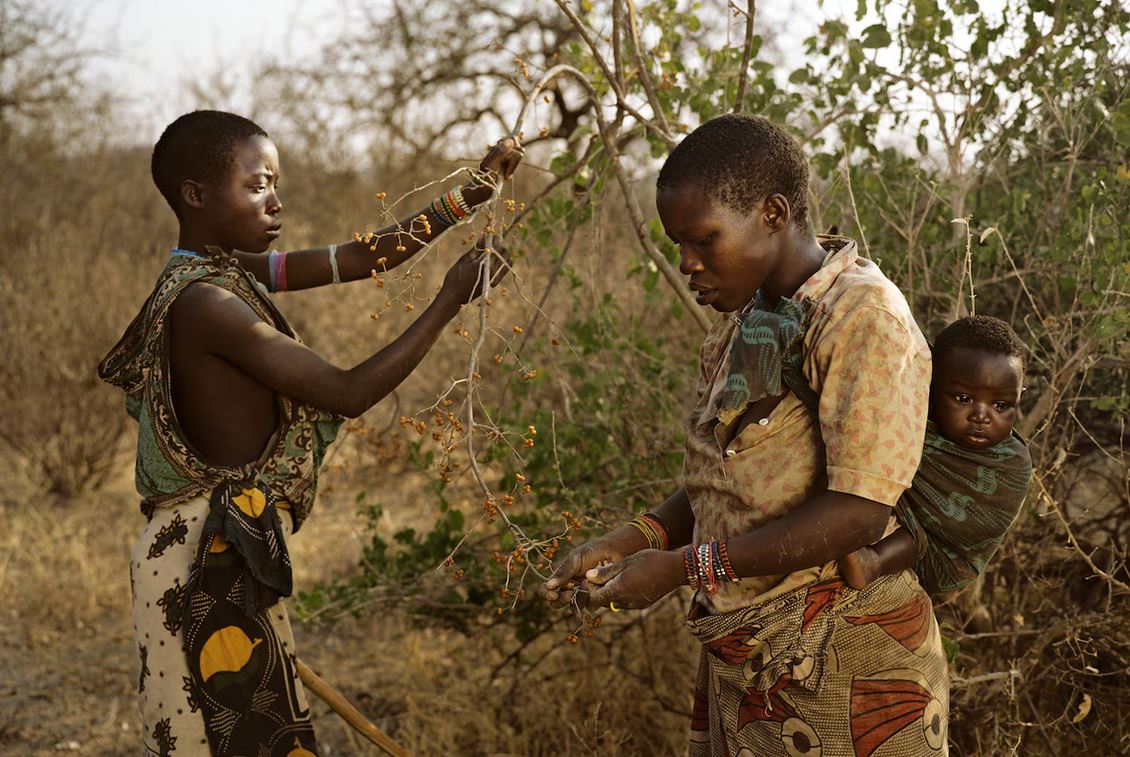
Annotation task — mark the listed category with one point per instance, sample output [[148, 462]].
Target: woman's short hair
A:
[[199, 146], [739, 160]]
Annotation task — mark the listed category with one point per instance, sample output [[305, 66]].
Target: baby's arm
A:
[[891, 554]]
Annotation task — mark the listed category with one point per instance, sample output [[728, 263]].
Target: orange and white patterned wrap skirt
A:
[[823, 671]]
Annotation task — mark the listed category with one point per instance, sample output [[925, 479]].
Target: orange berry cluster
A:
[[589, 624], [418, 425]]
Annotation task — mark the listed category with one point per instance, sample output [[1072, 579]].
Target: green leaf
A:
[[951, 648], [1120, 122], [876, 35]]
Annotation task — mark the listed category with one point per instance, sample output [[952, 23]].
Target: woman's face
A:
[[728, 255], [243, 206]]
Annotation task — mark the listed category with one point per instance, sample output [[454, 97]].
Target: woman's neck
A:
[[803, 258]]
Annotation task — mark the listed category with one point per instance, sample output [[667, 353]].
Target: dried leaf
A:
[[1084, 709]]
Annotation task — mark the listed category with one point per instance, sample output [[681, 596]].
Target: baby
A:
[[974, 472]]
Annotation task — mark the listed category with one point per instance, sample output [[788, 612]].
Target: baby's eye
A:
[[1002, 407], [963, 399]]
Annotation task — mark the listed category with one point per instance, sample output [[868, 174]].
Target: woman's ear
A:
[[776, 213], [192, 193]]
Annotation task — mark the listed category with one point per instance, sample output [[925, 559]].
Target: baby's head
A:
[[978, 378]]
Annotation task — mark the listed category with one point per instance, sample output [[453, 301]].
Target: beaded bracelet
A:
[[710, 582], [460, 202], [648, 530], [727, 568], [450, 208], [688, 565], [660, 529], [707, 565]]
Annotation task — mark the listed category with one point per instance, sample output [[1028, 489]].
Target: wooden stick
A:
[[350, 714]]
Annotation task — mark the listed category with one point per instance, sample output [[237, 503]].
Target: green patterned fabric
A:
[[960, 503], [960, 506], [765, 357], [168, 471]]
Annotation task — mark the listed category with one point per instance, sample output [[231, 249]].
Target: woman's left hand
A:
[[503, 157], [637, 581]]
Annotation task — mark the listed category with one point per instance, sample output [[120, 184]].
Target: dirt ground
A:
[[68, 666]]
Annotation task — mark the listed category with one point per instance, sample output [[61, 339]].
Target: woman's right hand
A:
[[610, 548], [464, 279]]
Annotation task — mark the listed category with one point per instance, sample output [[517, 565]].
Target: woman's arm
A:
[[614, 546], [394, 244], [217, 322], [822, 529], [676, 514]]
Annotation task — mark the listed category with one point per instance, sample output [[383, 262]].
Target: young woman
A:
[[234, 415], [794, 661]]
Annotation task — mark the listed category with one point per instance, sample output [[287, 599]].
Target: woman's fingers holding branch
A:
[[636, 582], [465, 277], [503, 157], [606, 550]]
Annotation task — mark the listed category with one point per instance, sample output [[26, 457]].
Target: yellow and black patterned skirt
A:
[[236, 691]]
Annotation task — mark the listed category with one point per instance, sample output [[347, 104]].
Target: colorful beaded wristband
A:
[[276, 264], [707, 565], [660, 529], [688, 566], [450, 208], [724, 557]]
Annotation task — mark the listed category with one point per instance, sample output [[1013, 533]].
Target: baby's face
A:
[[974, 396]]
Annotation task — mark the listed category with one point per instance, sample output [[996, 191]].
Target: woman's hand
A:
[[637, 581], [610, 548], [464, 279], [503, 158]]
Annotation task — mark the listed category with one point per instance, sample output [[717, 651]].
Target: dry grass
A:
[[67, 659], [67, 663]]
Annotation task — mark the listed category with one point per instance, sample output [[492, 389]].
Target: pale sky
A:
[[152, 49]]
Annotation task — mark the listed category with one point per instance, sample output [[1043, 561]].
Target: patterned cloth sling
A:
[[960, 506], [765, 357], [245, 687], [961, 502]]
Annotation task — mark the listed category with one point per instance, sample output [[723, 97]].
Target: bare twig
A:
[[747, 49]]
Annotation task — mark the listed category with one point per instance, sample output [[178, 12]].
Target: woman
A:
[[234, 415], [793, 660]]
